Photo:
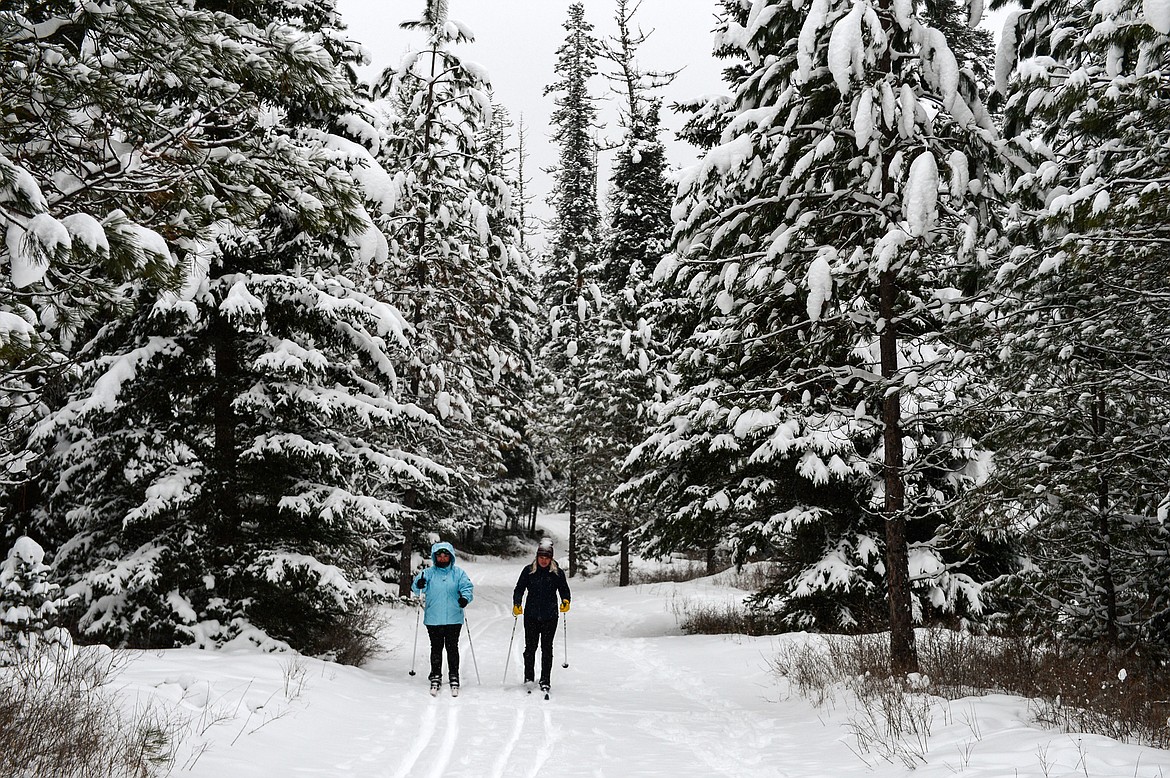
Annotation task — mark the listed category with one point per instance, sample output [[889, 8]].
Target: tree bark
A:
[[572, 519], [1104, 535], [624, 557], [406, 550], [226, 376], [903, 652]]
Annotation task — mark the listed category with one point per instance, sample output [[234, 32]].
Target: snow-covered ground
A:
[[638, 699]]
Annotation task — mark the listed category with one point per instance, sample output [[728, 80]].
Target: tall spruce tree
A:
[[212, 476], [458, 272], [1082, 346], [826, 241], [620, 383], [570, 292], [509, 410]]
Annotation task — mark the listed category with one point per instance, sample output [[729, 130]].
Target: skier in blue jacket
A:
[[448, 590]]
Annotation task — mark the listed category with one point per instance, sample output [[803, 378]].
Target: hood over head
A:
[[443, 546]]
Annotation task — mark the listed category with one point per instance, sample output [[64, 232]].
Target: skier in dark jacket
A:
[[448, 590], [546, 584]]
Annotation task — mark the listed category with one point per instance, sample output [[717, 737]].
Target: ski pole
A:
[[509, 657], [473, 662], [417, 617], [566, 631]]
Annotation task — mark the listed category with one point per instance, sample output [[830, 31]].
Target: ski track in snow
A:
[[450, 738], [498, 769], [548, 743], [421, 740]]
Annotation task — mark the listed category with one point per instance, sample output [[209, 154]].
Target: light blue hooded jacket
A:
[[444, 585]]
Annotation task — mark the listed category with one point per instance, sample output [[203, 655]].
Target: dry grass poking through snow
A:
[[1123, 697], [59, 717]]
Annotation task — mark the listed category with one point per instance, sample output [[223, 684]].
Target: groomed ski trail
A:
[[634, 701], [639, 699]]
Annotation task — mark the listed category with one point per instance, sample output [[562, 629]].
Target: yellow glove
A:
[[517, 610], [564, 606]]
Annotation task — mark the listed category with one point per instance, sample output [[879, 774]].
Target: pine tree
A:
[[29, 603], [141, 163], [1082, 344], [826, 240], [456, 263], [569, 286], [508, 411], [620, 383], [221, 469]]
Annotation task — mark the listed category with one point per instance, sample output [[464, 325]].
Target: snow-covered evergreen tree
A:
[[620, 383], [221, 469], [103, 152], [1082, 347], [509, 396], [570, 293], [30, 603], [828, 240], [457, 271]]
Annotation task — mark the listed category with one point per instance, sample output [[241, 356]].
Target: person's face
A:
[[442, 559], [544, 561]]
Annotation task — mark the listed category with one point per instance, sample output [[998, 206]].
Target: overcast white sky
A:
[[516, 41]]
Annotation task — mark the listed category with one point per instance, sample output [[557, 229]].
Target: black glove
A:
[[422, 582], [462, 601]]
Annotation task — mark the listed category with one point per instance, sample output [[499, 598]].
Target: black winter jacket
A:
[[543, 585]]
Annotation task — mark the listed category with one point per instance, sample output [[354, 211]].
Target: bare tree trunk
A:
[[624, 557], [903, 652], [1104, 534], [572, 520], [226, 373], [406, 550], [711, 558], [521, 183]]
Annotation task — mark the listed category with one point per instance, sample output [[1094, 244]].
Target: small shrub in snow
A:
[[1125, 697], [673, 573], [353, 639], [60, 717], [717, 618], [29, 602]]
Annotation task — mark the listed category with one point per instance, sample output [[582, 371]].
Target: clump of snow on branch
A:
[[1005, 53], [1157, 13], [848, 52], [921, 197], [820, 282], [806, 43]]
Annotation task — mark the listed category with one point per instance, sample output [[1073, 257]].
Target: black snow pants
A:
[[444, 636], [542, 631]]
